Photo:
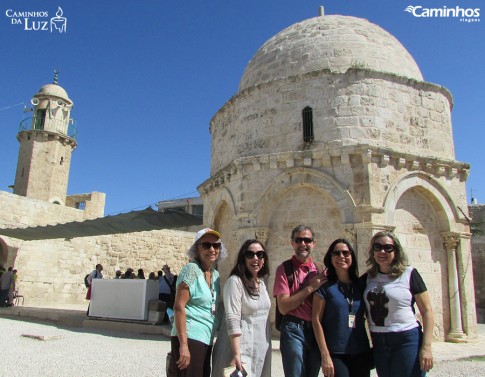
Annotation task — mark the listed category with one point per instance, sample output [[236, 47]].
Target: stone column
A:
[[451, 241]]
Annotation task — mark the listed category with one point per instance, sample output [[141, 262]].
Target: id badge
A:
[[351, 320], [213, 309]]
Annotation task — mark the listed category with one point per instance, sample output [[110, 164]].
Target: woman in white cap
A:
[[195, 305]]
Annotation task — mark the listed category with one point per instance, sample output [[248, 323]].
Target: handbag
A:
[[169, 366]]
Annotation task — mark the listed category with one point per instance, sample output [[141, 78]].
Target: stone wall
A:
[[20, 212], [52, 271], [477, 213], [358, 107]]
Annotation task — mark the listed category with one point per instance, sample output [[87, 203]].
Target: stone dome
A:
[[332, 42], [53, 90]]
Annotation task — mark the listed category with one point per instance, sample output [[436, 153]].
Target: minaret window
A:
[[80, 205], [40, 119], [307, 115]]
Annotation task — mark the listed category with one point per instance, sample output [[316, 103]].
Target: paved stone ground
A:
[[47, 349]]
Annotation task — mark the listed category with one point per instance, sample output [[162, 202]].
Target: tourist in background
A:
[[6, 280], [97, 273], [166, 291], [338, 316], [400, 347], [244, 336], [129, 273], [13, 286], [141, 274], [198, 290]]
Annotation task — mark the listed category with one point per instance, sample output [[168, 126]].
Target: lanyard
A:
[[350, 289]]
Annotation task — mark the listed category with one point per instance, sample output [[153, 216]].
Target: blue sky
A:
[[146, 77]]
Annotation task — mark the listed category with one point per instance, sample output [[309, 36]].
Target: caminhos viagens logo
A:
[[457, 12]]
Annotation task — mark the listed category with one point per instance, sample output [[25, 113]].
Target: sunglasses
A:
[[337, 253], [208, 245], [388, 248], [303, 239], [260, 254]]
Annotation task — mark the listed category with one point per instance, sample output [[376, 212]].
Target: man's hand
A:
[[316, 281]]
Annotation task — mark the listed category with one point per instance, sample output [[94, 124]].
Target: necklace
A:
[[208, 280]]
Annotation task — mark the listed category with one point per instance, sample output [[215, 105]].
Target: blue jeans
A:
[[396, 354], [299, 350]]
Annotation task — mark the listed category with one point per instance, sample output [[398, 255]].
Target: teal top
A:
[[200, 309]]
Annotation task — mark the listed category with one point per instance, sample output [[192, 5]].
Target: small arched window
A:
[[307, 115]]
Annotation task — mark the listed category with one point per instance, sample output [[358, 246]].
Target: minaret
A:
[[46, 143]]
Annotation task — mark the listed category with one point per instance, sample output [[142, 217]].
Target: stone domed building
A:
[[333, 126]]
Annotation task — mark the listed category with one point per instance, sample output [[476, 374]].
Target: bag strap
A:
[[288, 264]]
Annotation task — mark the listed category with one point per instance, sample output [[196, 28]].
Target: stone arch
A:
[[3, 252], [56, 200], [324, 207], [295, 177], [213, 207], [421, 210], [431, 189]]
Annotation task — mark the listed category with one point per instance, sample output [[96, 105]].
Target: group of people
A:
[[8, 280], [324, 311]]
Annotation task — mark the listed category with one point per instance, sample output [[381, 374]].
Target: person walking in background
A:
[[166, 292], [198, 290], [338, 316], [6, 280], [95, 274], [295, 282], [245, 335], [13, 286], [400, 347]]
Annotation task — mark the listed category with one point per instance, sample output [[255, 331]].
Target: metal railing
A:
[[53, 125]]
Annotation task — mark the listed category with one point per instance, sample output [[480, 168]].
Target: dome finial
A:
[[56, 76], [321, 11]]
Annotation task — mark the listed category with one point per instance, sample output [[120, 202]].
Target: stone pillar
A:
[[450, 242]]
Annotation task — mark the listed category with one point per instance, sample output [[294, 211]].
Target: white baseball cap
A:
[[203, 232]]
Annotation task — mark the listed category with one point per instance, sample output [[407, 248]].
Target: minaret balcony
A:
[[52, 125]]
